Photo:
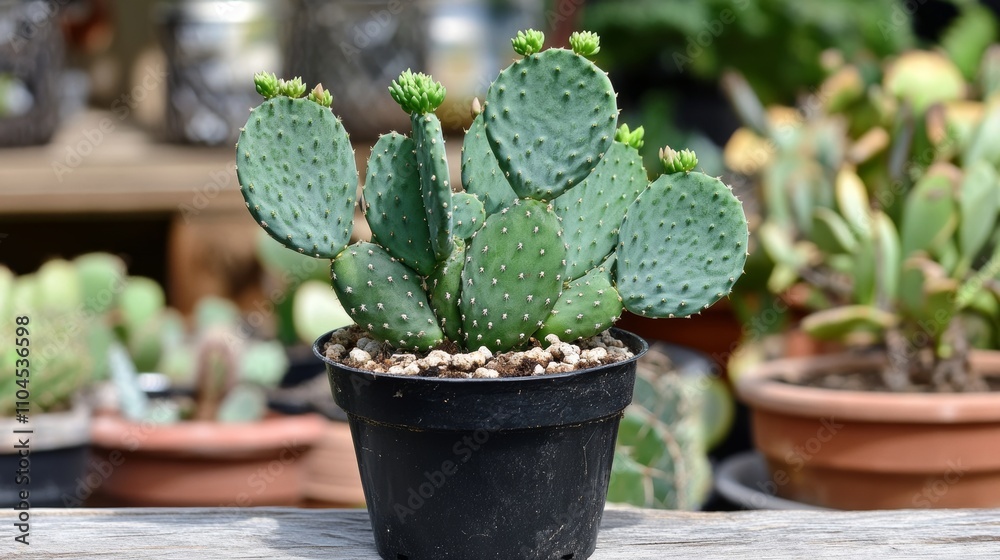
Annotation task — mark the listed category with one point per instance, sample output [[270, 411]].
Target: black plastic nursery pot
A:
[[509, 468]]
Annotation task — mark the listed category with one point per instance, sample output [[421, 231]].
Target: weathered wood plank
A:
[[281, 533]]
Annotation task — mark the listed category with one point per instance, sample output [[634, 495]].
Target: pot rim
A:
[[759, 388], [207, 438], [641, 343]]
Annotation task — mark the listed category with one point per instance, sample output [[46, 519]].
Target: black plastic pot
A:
[[54, 470], [510, 468]]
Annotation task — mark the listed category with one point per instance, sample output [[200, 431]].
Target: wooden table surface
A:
[[284, 533]]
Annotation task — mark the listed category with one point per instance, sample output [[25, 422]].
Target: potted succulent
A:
[[207, 437], [482, 383], [52, 320], [882, 199]]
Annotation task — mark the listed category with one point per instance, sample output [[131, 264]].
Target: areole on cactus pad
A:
[[558, 229]]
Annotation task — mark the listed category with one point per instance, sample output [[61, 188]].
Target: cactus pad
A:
[[587, 307], [682, 246], [384, 296], [549, 118], [593, 211], [297, 174], [481, 174], [432, 166], [396, 217], [444, 287], [468, 215], [512, 276]]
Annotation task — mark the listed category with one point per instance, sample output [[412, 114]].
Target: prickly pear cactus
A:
[[553, 191]]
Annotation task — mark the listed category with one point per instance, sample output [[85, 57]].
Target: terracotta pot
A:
[[874, 450], [331, 470], [202, 463]]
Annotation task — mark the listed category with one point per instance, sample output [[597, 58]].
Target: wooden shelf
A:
[[98, 164]]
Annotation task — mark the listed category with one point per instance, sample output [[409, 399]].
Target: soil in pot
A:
[[869, 449], [486, 468]]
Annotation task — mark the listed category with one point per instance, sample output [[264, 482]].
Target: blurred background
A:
[[124, 237]]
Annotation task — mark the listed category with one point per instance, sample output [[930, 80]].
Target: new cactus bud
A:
[[266, 84], [321, 96], [677, 162], [293, 88], [631, 137], [528, 42], [417, 93], [585, 43]]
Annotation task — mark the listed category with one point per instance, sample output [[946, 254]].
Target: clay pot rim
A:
[[208, 438], [758, 388]]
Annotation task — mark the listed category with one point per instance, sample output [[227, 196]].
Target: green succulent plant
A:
[[556, 229], [883, 198]]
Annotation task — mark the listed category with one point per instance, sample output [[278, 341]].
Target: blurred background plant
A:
[[880, 196], [681, 410]]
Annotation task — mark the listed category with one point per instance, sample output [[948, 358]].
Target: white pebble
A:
[[486, 373], [360, 356]]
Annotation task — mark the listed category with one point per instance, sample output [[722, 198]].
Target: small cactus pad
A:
[[549, 118], [395, 214], [587, 307], [682, 246], [481, 175], [297, 174], [443, 289], [512, 276], [385, 296], [593, 211], [468, 215], [432, 166]]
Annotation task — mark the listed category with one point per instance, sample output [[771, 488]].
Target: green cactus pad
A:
[[682, 246], [443, 289], [297, 174], [468, 215], [394, 210], [481, 174], [549, 118], [593, 211], [432, 166], [587, 307], [385, 296], [512, 277]]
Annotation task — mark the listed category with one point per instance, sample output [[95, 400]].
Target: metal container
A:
[[213, 49], [31, 61]]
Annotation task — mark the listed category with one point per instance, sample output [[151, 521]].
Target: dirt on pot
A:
[[353, 347]]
